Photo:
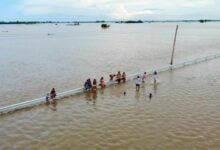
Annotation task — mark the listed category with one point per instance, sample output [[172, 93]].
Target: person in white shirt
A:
[[138, 83]]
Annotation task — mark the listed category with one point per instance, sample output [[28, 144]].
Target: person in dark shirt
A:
[[53, 93], [88, 84]]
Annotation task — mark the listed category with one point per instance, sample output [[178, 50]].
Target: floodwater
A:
[[36, 58], [182, 114]]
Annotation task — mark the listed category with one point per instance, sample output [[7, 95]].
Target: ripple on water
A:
[[181, 115]]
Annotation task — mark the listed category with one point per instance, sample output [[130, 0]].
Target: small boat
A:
[[105, 25]]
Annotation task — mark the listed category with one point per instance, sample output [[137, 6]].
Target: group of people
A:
[[118, 77], [88, 85], [92, 86], [141, 79]]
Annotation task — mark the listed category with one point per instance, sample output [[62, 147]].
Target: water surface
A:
[[183, 114], [35, 58]]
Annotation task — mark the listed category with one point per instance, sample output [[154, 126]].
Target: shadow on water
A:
[[94, 97], [137, 95]]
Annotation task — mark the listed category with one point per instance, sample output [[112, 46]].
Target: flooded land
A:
[[183, 112]]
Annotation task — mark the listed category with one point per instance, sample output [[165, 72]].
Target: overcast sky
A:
[[83, 10]]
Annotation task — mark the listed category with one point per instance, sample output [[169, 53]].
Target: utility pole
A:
[[174, 43]]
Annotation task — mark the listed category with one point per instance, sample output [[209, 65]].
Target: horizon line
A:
[[99, 21]]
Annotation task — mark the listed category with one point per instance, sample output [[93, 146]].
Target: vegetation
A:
[[102, 21], [130, 21], [19, 22], [204, 21]]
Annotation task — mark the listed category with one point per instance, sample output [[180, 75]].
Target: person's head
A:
[[53, 89], [155, 72], [102, 78], [94, 81], [145, 72], [138, 77]]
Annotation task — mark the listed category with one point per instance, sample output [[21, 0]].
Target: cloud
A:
[[111, 9], [121, 13], [197, 3]]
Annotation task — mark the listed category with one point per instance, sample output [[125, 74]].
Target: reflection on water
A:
[[94, 97], [91, 97], [155, 88], [52, 104], [137, 95], [102, 91]]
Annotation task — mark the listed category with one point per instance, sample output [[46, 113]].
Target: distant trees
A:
[[203, 20], [19, 22], [130, 21], [102, 21]]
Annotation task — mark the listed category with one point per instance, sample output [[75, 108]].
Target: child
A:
[[47, 98]]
